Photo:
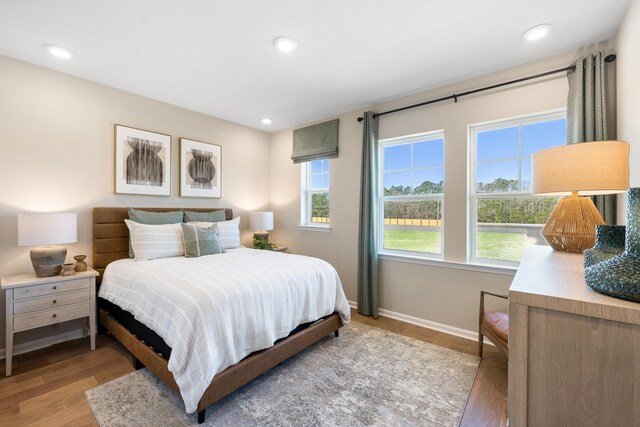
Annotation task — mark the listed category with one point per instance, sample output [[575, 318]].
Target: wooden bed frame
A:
[[111, 243]]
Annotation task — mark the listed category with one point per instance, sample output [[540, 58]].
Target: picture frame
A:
[[200, 169], [143, 162]]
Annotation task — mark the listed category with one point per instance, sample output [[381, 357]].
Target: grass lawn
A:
[[505, 246]]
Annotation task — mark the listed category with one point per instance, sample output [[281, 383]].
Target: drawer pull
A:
[[54, 301], [54, 315], [55, 287]]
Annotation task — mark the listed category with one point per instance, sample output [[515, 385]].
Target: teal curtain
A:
[[368, 235], [587, 115]]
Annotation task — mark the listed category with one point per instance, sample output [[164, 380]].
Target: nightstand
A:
[[33, 302]]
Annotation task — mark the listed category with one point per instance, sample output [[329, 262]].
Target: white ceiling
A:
[[217, 57]]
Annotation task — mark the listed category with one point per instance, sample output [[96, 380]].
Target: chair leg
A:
[[480, 344]]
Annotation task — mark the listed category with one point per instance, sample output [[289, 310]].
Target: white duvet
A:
[[215, 310]]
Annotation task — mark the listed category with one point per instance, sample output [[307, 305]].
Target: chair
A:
[[494, 325]]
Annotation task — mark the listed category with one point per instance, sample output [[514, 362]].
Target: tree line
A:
[[497, 211]]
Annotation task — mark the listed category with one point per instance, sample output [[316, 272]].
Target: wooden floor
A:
[[47, 386]]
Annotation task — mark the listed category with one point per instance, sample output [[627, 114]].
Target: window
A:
[[315, 189], [411, 189], [505, 217]]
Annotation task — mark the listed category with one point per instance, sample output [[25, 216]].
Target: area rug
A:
[[366, 377]]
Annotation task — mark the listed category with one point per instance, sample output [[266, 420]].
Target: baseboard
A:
[[43, 342], [440, 327]]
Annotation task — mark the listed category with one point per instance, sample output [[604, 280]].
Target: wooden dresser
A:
[[574, 354]]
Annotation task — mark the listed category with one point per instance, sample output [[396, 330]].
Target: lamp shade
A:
[[259, 221], [36, 229], [600, 167]]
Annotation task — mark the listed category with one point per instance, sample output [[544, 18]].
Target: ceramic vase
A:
[[81, 265], [609, 243], [619, 276], [67, 269]]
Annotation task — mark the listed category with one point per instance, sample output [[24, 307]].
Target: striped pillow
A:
[[200, 241], [228, 233], [155, 218], [155, 241]]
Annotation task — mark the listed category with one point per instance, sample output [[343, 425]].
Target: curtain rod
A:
[[609, 58]]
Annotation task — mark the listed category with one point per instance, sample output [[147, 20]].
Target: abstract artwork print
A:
[[200, 169], [143, 162]]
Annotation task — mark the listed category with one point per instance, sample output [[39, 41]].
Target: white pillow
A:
[[228, 231], [155, 241]]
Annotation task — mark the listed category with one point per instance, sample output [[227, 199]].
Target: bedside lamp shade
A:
[[261, 222], [47, 229], [587, 168]]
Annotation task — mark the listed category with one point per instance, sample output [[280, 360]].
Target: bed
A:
[[110, 245]]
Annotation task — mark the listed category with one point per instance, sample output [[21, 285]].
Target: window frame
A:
[[473, 197], [403, 140], [306, 195]]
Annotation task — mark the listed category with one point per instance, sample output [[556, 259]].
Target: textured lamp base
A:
[[572, 225], [47, 260]]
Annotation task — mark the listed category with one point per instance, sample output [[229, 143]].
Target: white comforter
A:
[[215, 310]]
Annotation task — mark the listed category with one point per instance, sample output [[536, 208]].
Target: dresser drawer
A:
[[51, 288], [47, 317], [50, 301]]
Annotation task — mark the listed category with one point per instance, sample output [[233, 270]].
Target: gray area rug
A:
[[366, 377]]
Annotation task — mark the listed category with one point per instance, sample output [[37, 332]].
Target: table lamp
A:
[[261, 222], [52, 229], [586, 168]]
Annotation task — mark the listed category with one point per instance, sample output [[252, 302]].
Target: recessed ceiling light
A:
[[267, 121], [537, 32], [58, 51], [285, 44]]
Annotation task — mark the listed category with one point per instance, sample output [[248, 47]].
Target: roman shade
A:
[[316, 142]]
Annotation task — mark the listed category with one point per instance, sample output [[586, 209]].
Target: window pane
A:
[[325, 180], [497, 177], [320, 208], [397, 157], [413, 226], [428, 181], [325, 165], [428, 153], [497, 144], [538, 136], [397, 183], [525, 174], [316, 166], [507, 226], [316, 182]]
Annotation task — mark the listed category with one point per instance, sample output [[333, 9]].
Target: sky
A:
[[500, 154]]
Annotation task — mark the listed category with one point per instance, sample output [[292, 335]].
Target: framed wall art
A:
[[143, 162], [200, 169]]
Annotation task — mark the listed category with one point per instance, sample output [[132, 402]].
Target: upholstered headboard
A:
[[111, 235]]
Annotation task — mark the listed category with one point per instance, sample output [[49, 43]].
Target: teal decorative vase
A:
[[609, 243], [619, 276]]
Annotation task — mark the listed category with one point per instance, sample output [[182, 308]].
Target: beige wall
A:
[[57, 154], [438, 294], [628, 85]]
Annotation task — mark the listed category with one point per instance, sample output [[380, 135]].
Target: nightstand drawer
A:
[[46, 317], [50, 301], [51, 288]]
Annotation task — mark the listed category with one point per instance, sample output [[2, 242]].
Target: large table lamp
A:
[[51, 229], [583, 169], [261, 223]]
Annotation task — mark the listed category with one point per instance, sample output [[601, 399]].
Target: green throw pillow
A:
[[200, 241], [213, 216], [153, 218]]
